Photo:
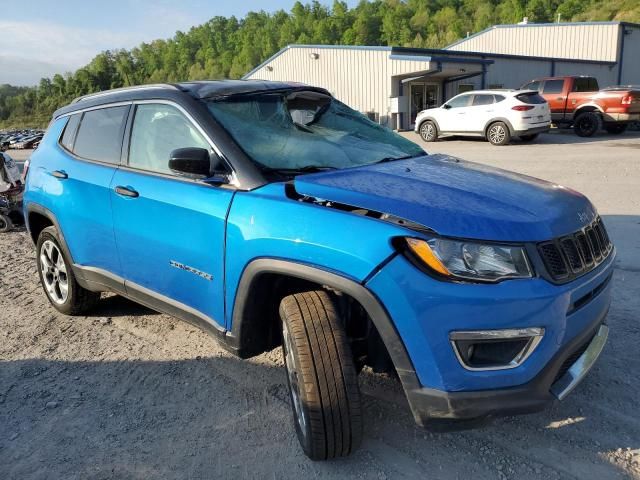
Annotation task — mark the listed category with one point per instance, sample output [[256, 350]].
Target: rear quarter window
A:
[[70, 130], [100, 134]]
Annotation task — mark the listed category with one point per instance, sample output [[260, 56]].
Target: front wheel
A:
[[498, 134], [587, 124], [323, 382], [428, 131], [615, 128], [5, 223], [57, 277]]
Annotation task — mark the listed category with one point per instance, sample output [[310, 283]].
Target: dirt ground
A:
[[129, 393]]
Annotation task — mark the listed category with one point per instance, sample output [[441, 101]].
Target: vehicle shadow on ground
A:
[[557, 137], [220, 417], [113, 306]]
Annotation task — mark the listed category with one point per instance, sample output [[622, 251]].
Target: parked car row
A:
[[22, 139], [567, 102]]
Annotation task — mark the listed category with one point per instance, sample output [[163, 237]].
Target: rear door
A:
[[482, 110], [555, 94], [170, 230], [79, 184]]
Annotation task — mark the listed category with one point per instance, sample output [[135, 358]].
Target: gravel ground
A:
[[129, 393]]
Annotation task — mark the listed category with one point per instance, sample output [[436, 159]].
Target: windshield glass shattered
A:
[[307, 130]]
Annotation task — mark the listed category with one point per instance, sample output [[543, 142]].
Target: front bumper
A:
[[556, 380], [425, 311]]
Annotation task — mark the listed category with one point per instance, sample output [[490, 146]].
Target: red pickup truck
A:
[[578, 102]]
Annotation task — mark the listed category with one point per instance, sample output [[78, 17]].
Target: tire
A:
[[498, 134], [528, 138], [428, 131], [5, 223], [322, 378], [57, 277], [587, 124], [615, 128]]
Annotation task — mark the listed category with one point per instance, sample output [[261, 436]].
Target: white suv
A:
[[497, 115]]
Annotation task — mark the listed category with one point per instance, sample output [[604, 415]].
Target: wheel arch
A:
[[588, 107], [248, 309], [432, 119], [499, 119], [37, 218]]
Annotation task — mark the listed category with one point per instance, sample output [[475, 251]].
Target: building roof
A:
[[594, 41]]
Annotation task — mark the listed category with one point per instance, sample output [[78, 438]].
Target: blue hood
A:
[[457, 198]]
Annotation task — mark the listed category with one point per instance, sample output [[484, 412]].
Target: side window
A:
[[553, 86], [100, 134], [482, 100], [532, 86], [69, 133], [460, 101], [499, 98], [158, 129], [585, 84]]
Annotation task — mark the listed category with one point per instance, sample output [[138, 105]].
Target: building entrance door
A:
[[423, 96]]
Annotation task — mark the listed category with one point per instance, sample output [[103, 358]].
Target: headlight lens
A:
[[471, 260]]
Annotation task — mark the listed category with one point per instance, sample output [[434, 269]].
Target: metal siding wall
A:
[[631, 60], [606, 75], [512, 73], [582, 42]]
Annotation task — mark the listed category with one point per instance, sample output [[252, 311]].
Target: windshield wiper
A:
[[407, 157]]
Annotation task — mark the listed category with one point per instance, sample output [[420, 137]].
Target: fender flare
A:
[[580, 109], [499, 119], [365, 297]]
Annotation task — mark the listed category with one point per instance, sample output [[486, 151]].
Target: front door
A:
[[423, 96], [169, 230]]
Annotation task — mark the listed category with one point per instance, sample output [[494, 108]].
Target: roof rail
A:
[[125, 89]]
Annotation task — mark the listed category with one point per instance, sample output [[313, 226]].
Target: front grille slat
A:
[[576, 254]]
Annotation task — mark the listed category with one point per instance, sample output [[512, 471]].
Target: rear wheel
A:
[[587, 124], [57, 278], [5, 223], [498, 134], [428, 131], [323, 382], [615, 128], [528, 138]]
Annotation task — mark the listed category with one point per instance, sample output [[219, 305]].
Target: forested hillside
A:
[[229, 47]]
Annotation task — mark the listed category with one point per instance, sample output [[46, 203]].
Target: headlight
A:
[[470, 260]]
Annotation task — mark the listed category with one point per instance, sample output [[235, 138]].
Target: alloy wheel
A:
[[497, 134], [427, 131], [54, 272]]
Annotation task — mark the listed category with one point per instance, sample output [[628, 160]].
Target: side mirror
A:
[[446, 106], [191, 162]]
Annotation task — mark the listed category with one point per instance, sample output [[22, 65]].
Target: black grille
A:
[[571, 256]]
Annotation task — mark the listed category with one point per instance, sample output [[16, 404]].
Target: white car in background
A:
[[497, 115]]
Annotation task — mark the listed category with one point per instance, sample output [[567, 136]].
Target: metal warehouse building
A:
[[392, 84]]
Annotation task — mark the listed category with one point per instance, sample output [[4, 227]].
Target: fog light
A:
[[495, 349]]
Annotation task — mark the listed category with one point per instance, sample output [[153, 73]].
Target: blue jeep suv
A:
[[272, 214]]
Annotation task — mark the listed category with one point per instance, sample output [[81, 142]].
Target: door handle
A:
[[559, 98], [60, 174], [126, 192]]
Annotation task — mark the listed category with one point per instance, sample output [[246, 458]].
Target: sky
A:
[[39, 38]]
